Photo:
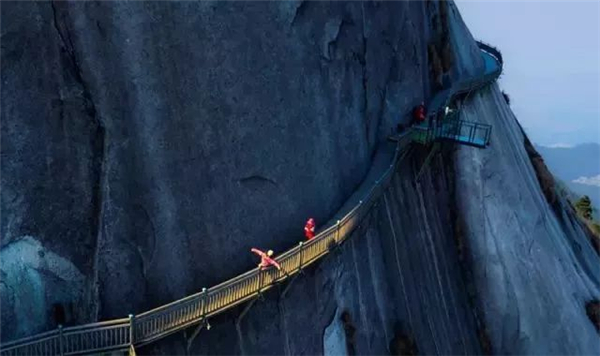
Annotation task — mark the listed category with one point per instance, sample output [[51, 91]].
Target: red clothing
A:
[[265, 260], [309, 229], [419, 113]]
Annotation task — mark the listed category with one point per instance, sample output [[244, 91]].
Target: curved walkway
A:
[[142, 329]]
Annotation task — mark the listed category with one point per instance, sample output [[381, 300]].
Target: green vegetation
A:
[[596, 228], [584, 207], [554, 189], [585, 210]]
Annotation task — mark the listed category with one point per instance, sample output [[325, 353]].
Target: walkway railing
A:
[[157, 323], [462, 131]]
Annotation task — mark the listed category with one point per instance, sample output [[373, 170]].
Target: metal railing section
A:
[[157, 323], [463, 131]]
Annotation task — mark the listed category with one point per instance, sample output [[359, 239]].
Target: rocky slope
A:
[[533, 265], [156, 142]]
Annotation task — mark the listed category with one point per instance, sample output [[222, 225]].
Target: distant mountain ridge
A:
[[570, 163], [578, 167]]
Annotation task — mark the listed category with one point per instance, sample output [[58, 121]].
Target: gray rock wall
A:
[[399, 271], [534, 270], [152, 144], [146, 146], [51, 157]]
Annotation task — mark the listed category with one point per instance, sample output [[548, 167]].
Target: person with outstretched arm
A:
[[266, 260]]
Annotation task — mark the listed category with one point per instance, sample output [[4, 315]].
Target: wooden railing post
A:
[[260, 279], [131, 329], [60, 340], [301, 244], [78, 340], [204, 303], [471, 135]]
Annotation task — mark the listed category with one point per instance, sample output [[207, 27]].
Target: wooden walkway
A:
[[136, 330]]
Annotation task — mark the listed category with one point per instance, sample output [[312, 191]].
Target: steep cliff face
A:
[[534, 266], [150, 145], [398, 274], [52, 147], [157, 142]]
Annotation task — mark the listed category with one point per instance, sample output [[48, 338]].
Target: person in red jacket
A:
[[309, 229], [265, 259], [419, 113]]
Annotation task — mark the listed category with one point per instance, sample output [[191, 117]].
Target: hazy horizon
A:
[[552, 64]]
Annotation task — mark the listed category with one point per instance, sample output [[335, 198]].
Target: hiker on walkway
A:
[[448, 111], [309, 229], [419, 113], [265, 259]]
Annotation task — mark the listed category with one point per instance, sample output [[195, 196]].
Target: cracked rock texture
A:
[[534, 267], [152, 144], [147, 146]]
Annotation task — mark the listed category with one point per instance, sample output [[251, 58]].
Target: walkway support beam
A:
[[301, 250], [61, 340], [131, 329]]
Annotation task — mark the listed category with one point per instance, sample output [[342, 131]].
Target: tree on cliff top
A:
[[584, 207]]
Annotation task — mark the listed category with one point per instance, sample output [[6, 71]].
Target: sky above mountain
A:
[[552, 63]]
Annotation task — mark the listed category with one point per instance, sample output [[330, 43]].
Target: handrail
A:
[[121, 334], [452, 129]]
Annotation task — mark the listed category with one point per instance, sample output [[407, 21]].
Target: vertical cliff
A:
[[533, 264], [147, 146]]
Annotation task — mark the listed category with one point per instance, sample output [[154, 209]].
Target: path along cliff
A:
[[155, 143]]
